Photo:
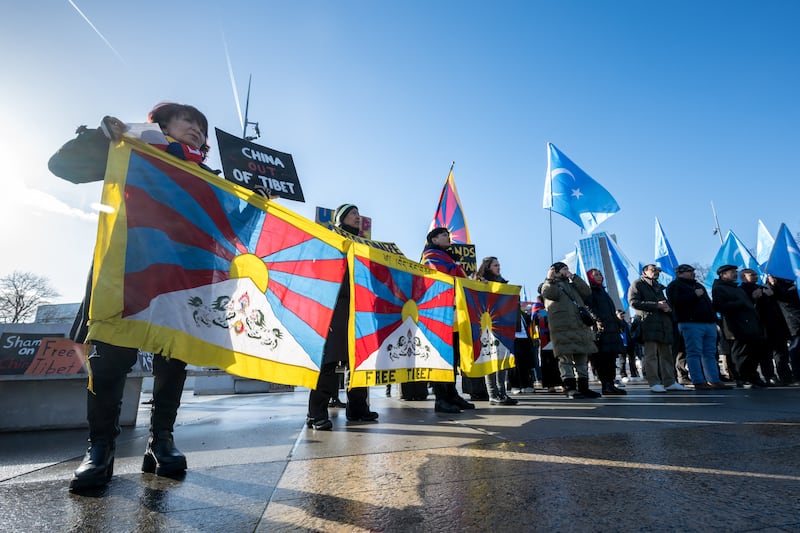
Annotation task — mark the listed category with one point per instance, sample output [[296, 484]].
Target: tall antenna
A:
[[717, 230], [246, 121]]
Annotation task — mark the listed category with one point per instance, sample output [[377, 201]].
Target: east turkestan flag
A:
[[572, 193]]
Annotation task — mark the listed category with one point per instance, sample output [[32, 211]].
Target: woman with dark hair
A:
[[83, 160], [496, 381], [608, 336]]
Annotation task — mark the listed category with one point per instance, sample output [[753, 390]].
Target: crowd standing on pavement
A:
[[678, 335]]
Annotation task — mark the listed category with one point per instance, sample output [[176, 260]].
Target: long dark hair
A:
[[484, 272]]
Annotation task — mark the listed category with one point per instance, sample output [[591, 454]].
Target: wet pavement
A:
[[682, 461]]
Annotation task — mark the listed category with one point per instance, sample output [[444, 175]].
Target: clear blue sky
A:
[[670, 105]]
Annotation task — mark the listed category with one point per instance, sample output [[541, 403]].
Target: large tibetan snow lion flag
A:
[[403, 320], [487, 316], [194, 267]]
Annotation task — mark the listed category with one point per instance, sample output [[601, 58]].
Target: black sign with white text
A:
[[250, 165]]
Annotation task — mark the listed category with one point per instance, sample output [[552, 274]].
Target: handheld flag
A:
[[764, 244], [624, 269], [449, 214], [664, 256], [732, 252], [784, 261], [572, 193]]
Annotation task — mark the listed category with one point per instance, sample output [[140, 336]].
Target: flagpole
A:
[[717, 230]]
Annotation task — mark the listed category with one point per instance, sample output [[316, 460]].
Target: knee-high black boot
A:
[[161, 456], [103, 408]]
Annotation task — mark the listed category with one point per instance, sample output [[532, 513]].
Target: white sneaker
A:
[[626, 379], [619, 384], [516, 391], [637, 379], [658, 387], [677, 386], [528, 390]]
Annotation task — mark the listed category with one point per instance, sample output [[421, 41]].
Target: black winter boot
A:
[[103, 408], [609, 389], [570, 389], [583, 388], [161, 456]]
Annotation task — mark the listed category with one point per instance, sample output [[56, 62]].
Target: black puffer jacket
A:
[[686, 305], [739, 318]]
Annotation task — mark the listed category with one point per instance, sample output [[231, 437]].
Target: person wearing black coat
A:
[[346, 218], [607, 334], [771, 316], [697, 324], [740, 324], [83, 160], [789, 300]]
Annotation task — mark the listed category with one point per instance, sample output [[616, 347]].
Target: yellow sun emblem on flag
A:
[[253, 267], [486, 321], [410, 310]]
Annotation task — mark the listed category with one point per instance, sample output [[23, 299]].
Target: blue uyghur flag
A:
[[664, 256], [572, 193], [784, 261], [732, 252], [764, 244]]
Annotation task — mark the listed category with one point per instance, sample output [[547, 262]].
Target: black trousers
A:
[[746, 356], [605, 366], [327, 388]]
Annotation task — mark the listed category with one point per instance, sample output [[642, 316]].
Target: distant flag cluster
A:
[[572, 193]]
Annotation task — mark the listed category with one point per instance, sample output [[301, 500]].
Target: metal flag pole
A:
[[717, 230], [246, 121]]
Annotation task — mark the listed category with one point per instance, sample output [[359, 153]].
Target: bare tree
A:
[[701, 271], [21, 293]]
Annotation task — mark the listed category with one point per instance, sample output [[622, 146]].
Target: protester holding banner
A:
[[496, 381], [564, 295], [83, 160], [336, 350], [437, 256]]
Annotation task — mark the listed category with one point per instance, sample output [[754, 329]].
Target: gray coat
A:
[[567, 331]]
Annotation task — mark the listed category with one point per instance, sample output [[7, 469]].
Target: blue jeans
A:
[[701, 351]]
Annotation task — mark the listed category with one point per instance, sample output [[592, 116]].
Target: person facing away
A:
[[572, 340], [697, 324], [438, 255], [489, 270], [646, 296], [607, 334], [82, 160]]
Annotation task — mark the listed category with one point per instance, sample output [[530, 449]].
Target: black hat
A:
[[558, 265], [725, 268], [341, 213], [434, 232], [644, 267], [684, 268]]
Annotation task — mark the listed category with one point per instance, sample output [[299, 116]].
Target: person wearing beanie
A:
[[335, 351], [438, 256], [740, 324], [607, 334], [572, 340]]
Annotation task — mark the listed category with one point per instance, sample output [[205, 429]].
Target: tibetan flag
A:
[[403, 320], [487, 322], [572, 193], [664, 257], [194, 267], [449, 214], [732, 252], [784, 261]]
